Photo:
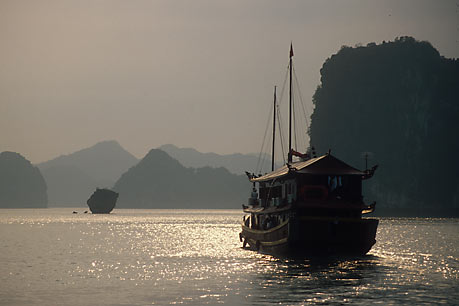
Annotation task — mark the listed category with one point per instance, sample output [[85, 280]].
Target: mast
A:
[[274, 129], [290, 109]]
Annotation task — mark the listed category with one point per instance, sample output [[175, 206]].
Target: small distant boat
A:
[[102, 201], [313, 205]]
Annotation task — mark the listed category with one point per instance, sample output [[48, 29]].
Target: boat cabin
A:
[[320, 186]]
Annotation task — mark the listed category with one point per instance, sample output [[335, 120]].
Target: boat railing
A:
[[265, 231]]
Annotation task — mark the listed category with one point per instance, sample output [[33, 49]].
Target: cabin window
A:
[[290, 188], [275, 192], [263, 193], [345, 187], [268, 193]]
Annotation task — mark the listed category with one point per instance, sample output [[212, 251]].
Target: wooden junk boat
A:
[[310, 206]]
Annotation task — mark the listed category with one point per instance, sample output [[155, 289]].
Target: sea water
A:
[[194, 257]]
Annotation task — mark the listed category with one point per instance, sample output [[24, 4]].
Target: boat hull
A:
[[321, 236]]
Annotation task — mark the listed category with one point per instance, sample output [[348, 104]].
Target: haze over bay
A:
[[147, 73]]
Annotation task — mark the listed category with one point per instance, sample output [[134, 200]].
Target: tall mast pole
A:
[[290, 109], [274, 129]]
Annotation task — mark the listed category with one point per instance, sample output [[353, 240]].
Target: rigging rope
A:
[[258, 168], [294, 123], [301, 99], [280, 133], [283, 85]]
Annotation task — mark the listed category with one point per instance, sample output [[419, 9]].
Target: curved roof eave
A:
[[322, 165]]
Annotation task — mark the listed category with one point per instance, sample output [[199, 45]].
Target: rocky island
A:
[[102, 201]]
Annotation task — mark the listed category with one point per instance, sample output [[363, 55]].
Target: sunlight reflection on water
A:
[[195, 257]]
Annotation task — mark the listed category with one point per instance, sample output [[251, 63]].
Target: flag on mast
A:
[[291, 49]]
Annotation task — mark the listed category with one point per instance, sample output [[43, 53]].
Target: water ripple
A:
[[139, 257]]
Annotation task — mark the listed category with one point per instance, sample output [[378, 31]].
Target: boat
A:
[[102, 201], [311, 205]]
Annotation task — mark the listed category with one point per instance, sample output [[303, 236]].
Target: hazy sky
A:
[[193, 73]]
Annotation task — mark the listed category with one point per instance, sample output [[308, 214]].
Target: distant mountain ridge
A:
[[236, 163], [160, 181], [72, 178], [104, 161], [21, 184]]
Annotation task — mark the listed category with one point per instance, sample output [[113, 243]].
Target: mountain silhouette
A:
[[399, 101], [69, 185], [21, 184], [160, 181], [236, 163], [72, 178]]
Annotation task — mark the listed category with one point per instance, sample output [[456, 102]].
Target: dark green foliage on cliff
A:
[[21, 184], [159, 181], [399, 101]]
